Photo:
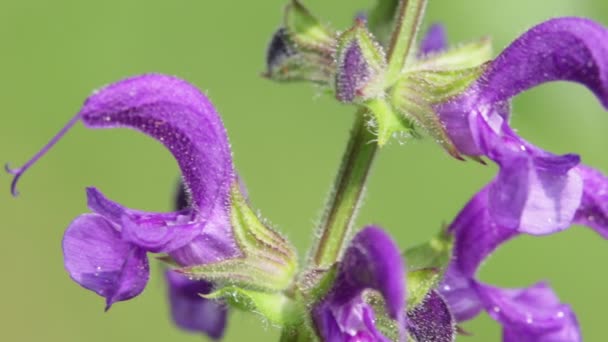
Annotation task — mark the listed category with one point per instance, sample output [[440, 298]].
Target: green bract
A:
[[268, 263]]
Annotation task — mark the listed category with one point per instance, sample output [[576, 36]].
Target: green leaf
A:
[[277, 308], [426, 264], [464, 56], [305, 29]]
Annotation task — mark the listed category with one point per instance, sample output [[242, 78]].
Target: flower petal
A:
[[178, 115], [530, 314], [568, 49], [435, 40], [593, 210], [192, 312], [476, 235], [460, 294], [173, 112], [371, 261], [534, 191], [154, 232], [431, 320], [98, 259]]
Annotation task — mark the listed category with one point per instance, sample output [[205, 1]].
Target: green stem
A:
[[409, 17], [347, 192]]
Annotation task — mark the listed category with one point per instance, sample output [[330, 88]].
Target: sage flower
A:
[[371, 261], [189, 310], [535, 191], [526, 314], [106, 251], [192, 312]]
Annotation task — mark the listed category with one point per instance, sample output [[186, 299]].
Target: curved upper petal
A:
[[568, 49], [435, 40], [190, 311], [178, 115], [371, 261], [98, 259]]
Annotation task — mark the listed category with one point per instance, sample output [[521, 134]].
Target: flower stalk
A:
[[347, 193], [409, 17]]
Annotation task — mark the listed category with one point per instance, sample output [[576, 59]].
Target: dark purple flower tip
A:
[[279, 49], [431, 321], [530, 315], [353, 73], [434, 41], [190, 311], [98, 259], [175, 113], [371, 261]]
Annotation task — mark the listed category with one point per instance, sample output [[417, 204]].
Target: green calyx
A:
[[302, 49], [387, 122], [261, 280], [427, 263], [274, 307], [361, 63], [426, 83], [268, 261]]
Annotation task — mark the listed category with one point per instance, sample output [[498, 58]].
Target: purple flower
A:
[[535, 191], [105, 251], [434, 41], [528, 314], [192, 312], [371, 261], [189, 310]]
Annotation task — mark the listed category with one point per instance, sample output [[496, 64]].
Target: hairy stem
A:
[[409, 17], [347, 192]]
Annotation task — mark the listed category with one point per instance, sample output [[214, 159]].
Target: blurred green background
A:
[[287, 141]]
